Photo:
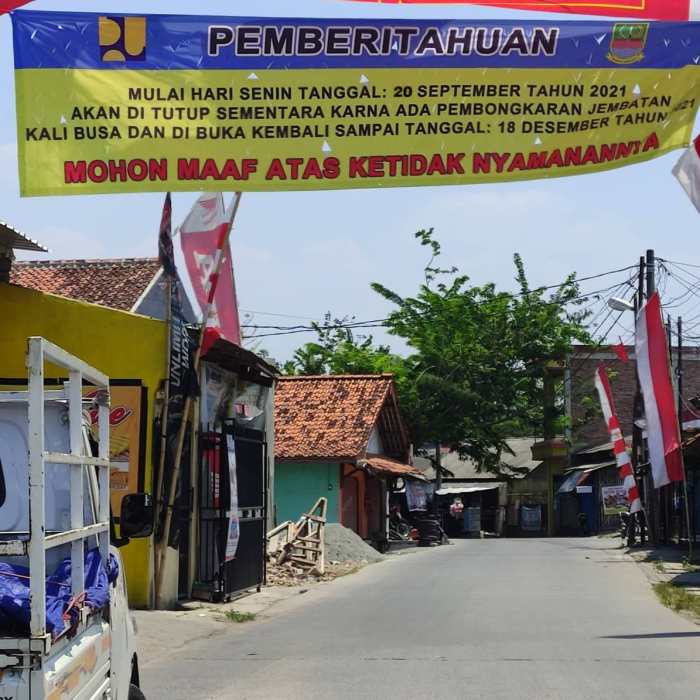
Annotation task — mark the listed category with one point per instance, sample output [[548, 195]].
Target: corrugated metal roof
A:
[[605, 447], [516, 465], [456, 487], [10, 237], [385, 465]]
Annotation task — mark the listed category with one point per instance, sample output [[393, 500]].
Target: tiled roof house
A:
[[341, 437], [128, 284]]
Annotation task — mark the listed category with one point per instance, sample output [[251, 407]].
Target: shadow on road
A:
[[659, 635]]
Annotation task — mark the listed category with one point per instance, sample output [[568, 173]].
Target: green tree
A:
[[476, 374], [340, 351]]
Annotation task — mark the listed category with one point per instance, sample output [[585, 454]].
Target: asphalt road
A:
[[547, 618]]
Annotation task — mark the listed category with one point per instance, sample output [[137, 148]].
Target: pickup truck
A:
[[66, 632]]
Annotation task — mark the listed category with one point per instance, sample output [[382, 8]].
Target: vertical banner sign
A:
[[201, 235], [233, 524], [622, 458], [182, 380], [113, 103], [642, 9]]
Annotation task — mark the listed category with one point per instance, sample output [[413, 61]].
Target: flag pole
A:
[[164, 413], [170, 502]]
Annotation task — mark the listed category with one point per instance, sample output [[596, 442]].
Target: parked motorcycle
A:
[[628, 529], [399, 529]]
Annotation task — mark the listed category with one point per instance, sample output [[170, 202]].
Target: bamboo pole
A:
[[163, 544], [164, 414]]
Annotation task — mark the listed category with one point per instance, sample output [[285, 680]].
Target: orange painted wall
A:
[[359, 477]]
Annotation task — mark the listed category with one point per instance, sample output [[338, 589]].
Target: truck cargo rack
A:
[[37, 541]]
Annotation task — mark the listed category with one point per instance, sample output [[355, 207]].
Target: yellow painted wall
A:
[[120, 344]]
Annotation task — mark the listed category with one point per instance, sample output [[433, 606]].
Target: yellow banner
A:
[[308, 105], [97, 132]]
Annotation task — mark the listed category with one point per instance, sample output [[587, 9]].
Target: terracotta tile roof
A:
[[117, 283], [327, 417], [385, 465]]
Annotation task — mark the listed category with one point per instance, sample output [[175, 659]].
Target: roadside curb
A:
[[164, 632], [664, 565]]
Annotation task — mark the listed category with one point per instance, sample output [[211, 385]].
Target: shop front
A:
[[469, 508], [130, 349]]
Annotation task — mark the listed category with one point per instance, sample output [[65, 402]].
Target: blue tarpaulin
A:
[[15, 610]]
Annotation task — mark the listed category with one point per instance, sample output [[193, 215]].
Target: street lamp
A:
[[620, 304]]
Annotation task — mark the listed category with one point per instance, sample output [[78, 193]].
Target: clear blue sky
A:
[[302, 254]]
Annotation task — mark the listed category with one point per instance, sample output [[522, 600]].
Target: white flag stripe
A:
[[604, 402], [687, 172], [622, 459], [694, 10], [651, 409]]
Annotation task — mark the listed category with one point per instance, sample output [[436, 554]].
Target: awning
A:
[[605, 447], [572, 480], [12, 238], [391, 467], [578, 475], [468, 487]]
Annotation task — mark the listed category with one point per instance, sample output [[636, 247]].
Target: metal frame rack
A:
[[41, 351]]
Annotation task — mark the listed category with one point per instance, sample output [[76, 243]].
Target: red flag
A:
[[659, 401], [643, 9], [621, 352], [7, 5], [624, 464], [201, 237]]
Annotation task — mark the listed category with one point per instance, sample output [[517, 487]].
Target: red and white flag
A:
[[202, 237], [687, 172], [643, 9], [654, 373], [690, 418], [621, 352], [7, 5], [624, 463]]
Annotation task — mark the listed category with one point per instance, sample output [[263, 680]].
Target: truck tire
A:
[[135, 693]]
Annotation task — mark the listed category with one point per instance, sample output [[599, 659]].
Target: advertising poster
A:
[[233, 524], [125, 422], [419, 494], [105, 103], [614, 500]]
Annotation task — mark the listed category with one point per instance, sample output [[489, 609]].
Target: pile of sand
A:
[[342, 544]]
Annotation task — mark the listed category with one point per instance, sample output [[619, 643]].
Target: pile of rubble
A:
[[288, 575], [344, 553]]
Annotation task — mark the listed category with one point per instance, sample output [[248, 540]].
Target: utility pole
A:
[[637, 439], [650, 492], [438, 479]]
